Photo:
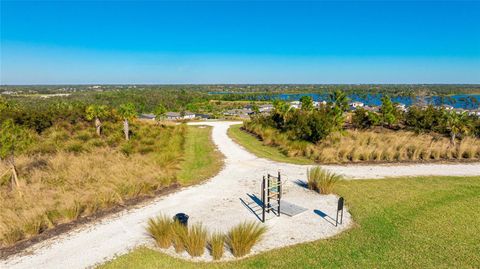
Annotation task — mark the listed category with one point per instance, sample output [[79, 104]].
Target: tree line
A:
[[315, 124]]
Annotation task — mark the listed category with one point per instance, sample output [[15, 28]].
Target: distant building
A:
[[401, 107], [242, 113], [295, 104], [448, 107], [355, 105], [372, 108], [178, 116], [318, 104], [265, 108], [203, 116], [474, 113], [147, 116]]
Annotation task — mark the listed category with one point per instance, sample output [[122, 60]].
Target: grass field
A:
[[69, 173], [201, 159], [426, 222], [256, 146]]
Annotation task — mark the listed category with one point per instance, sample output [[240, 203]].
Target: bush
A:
[[322, 181], [160, 229], [216, 245], [244, 236], [196, 240]]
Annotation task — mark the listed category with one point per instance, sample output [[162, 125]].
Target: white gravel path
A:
[[217, 205]]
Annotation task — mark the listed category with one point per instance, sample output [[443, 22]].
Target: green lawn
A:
[[202, 160], [255, 146], [425, 222]]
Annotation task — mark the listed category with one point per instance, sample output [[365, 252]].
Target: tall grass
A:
[[377, 145], [216, 245], [244, 236], [180, 234], [196, 240], [160, 229], [321, 180], [61, 184]]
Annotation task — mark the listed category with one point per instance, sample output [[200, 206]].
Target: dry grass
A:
[[244, 236], [160, 229], [196, 240], [60, 183], [321, 180], [216, 245], [381, 145], [180, 233]]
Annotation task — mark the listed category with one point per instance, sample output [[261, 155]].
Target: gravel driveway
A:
[[217, 204]]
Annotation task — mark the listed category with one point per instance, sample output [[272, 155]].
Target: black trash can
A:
[[182, 218]]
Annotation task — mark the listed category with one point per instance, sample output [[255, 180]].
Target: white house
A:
[[265, 108], [147, 116], [448, 107], [178, 116], [318, 104], [401, 107], [295, 104], [355, 105]]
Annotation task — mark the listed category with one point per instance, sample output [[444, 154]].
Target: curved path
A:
[[217, 204]]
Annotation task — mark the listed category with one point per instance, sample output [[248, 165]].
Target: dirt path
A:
[[217, 205]]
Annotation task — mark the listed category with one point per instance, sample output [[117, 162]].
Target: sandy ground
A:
[[217, 204]]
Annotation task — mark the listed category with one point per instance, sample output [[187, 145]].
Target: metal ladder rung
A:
[[275, 195]]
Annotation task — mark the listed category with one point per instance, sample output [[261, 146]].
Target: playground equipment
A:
[[271, 190]]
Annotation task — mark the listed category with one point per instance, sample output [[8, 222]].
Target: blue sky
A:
[[239, 42]]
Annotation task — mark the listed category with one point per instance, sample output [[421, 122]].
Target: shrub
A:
[[216, 245], [75, 147], [179, 236], [160, 229], [12, 235], [196, 240], [244, 236], [321, 180]]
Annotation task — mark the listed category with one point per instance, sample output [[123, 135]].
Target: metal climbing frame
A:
[[271, 189]]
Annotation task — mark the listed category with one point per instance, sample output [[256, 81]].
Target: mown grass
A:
[[254, 145], [425, 222], [69, 172], [201, 160]]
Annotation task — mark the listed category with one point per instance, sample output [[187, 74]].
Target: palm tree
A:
[[160, 112], [96, 112], [457, 123], [128, 112], [13, 139]]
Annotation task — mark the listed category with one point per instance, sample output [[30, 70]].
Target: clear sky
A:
[[239, 42]]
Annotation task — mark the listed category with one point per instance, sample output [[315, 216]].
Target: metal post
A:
[[336, 220], [279, 189], [268, 193], [341, 217], [263, 199]]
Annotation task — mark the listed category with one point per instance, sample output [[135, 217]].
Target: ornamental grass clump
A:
[[179, 235], [244, 236], [216, 245], [160, 229], [322, 181], [196, 240]]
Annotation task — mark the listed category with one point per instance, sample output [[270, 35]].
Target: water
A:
[[464, 101]]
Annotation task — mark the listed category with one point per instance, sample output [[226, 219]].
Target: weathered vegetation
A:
[[56, 167], [330, 134]]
